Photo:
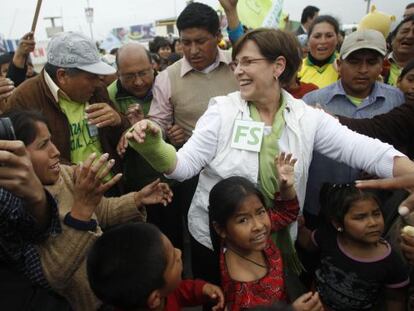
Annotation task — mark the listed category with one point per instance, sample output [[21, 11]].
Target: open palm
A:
[[285, 169]]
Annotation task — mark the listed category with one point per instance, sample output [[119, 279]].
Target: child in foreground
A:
[[135, 267], [250, 262], [357, 265]]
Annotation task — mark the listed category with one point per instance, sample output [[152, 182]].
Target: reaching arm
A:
[[394, 127], [235, 28]]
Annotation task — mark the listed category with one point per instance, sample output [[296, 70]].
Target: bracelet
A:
[[80, 224]]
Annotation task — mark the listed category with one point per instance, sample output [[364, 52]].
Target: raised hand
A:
[[285, 167], [18, 176], [176, 135], [102, 115], [285, 174], [89, 185], [228, 4], [215, 294], [6, 88], [153, 193], [135, 113], [26, 45]]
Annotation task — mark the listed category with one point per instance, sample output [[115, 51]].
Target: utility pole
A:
[[368, 5], [89, 17]]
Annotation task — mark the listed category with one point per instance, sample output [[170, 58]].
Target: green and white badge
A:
[[247, 135]]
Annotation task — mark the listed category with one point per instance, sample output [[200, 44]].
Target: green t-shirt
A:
[[355, 100], [395, 72], [84, 139]]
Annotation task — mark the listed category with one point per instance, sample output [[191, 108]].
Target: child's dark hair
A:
[[157, 43], [126, 264], [224, 200], [24, 123], [199, 15], [406, 69], [337, 199]]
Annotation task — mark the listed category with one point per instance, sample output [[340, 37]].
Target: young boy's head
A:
[[134, 266]]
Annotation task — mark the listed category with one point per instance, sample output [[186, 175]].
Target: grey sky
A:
[[16, 15]]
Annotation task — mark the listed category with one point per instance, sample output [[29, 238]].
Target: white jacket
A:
[[209, 149]]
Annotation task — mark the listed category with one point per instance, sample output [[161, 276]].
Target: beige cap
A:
[[363, 39]]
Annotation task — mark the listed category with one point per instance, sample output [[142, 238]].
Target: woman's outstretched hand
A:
[[402, 182]]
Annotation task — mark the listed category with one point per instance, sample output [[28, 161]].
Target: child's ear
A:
[[154, 299], [219, 230]]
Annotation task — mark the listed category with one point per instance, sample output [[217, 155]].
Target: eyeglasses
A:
[[128, 77], [244, 62]]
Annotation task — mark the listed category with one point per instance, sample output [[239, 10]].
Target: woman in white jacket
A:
[[241, 133]]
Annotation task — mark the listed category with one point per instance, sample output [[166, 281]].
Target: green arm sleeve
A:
[[160, 155]]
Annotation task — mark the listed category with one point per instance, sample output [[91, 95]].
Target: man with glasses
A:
[[135, 78], [70, 94]]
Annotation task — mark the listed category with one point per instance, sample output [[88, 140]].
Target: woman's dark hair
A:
[[324, 19], [406, 69], [24, 123], [225, 199], [199, 15], [337, 199], [273, 43], [126, 264]]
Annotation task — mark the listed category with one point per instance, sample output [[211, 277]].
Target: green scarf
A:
[[269, 186]]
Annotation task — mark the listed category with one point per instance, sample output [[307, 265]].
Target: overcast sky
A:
[[16, 15]]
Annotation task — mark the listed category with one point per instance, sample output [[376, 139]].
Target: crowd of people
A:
[[255, 168]]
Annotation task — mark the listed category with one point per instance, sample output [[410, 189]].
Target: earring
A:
[[340, 229]]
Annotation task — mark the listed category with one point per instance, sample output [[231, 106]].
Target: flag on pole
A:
[[260, 13]]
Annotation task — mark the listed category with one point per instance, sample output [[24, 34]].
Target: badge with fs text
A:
[[247, 135]]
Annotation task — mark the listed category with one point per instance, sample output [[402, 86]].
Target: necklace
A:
[[247, 258]]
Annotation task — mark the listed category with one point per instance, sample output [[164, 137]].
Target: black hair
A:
[[406, 69], [6, 58], [225, 199], [24, 123], [393, 33], [308, 12], [324, 19], [126, 264], [337, 199], [174, 42], [155, 58], [199, 15], [174, 57], [158, 43], [410, 5], [52, 71], [273, 43]]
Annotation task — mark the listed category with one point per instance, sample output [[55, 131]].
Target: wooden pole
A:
[[36, 16]]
